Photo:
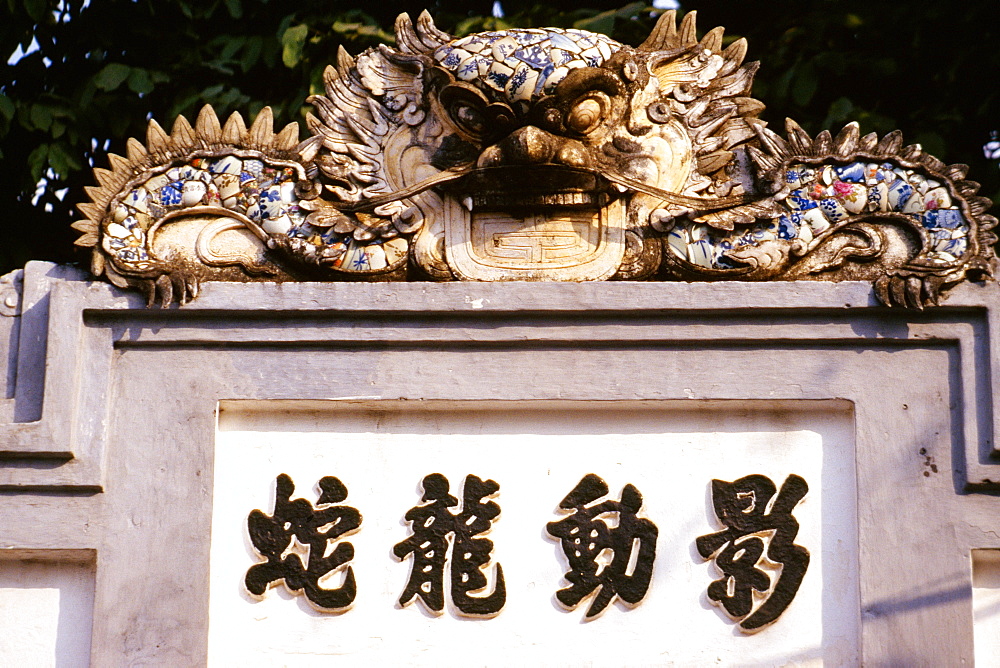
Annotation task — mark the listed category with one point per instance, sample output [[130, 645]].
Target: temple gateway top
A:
[[534, 155]]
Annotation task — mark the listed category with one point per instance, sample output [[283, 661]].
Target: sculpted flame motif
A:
[[541, 154]]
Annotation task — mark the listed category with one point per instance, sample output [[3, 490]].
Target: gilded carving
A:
[[534, 154]]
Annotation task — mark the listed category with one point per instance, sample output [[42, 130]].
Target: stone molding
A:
[[110, 418]]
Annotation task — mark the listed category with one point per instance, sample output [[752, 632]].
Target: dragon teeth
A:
[[494, 200]]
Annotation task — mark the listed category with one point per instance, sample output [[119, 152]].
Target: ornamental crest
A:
[[534, 155]]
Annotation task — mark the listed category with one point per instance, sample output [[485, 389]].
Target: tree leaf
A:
[[479, 24], [805, 85], [840, 110], [37, 162], [602, 23], [292, 42], [232, 45], [251, 52], [783, 83], [605, 21], [139, 81], [6, 107], [61, 160], [235, 8], [41, 116], [933, 143], [212, 91], [35, 9], [111, 76]]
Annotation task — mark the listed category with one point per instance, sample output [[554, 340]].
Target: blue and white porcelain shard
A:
[[823, 198], [523, 65], [249, 187]]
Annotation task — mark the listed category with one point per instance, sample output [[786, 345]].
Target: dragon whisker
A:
[[696, 204], [438, 179]]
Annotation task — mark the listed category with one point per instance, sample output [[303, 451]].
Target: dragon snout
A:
[[530, 145]]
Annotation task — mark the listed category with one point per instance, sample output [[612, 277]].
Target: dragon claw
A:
[[165, 289], [913, 292]]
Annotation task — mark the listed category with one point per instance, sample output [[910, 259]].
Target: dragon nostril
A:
[[572, 154], [528, 146], [490, 157]]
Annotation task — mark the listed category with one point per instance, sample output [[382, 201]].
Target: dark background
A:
[[103, 67]]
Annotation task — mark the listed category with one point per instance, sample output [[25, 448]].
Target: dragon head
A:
[[536, 153]]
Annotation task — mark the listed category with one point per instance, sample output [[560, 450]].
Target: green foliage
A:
[[101, 70], [292, 42], [609, 22], [111, 76], [923, 67]]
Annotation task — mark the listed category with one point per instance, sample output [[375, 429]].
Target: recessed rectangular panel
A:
[[536, 241], [986, 606], [46, 608], [538, 452], [570, 243]]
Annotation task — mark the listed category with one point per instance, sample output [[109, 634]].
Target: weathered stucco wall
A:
[[113, 447]]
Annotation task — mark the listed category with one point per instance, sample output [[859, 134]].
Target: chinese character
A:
[[431, 523], [585, 537], [741, 506], [314, 528]]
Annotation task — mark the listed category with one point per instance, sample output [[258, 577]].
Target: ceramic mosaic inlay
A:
[[536, 155], [523, 65], [263, 193], [822, 199]]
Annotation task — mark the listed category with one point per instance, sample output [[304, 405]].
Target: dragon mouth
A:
[[533, 222], [517, 187]]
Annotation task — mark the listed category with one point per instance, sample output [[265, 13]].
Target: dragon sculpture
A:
[[537, 154]]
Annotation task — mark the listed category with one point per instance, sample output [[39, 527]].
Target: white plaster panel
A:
[[381, 451], [986, 606], [46, 613]]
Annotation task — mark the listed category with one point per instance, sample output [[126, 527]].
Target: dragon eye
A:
[[658, 112], [586, 114], [469, 118]]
